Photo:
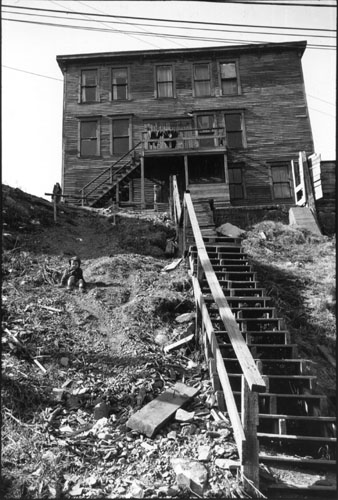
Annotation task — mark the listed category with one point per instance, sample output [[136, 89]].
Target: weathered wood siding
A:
[[272, 99], [326, 206]]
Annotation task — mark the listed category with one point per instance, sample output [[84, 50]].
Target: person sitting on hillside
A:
[[73, 276]]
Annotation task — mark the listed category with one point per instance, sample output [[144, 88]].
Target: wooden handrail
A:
[[252, 376], [108, 169]]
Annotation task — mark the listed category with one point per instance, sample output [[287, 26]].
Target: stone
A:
[[190, 474], [186, 317], [136, 490], [184, 416], [226, 463], [219, 450], [64, 361], [203, 453], [172, 435], [101, 410], [228, 229]]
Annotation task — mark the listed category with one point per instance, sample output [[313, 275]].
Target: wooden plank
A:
[[155, 414], [241, 349], [178, 344], [172, 265]]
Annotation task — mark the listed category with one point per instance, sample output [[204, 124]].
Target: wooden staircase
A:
[[205, 217], [296, 432], [101, 188]]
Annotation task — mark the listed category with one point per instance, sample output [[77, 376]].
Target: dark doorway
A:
[[159, 170]]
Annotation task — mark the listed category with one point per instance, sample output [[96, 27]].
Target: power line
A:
[[286, 4], [160, 35], [171, 27], [31, 73], [318, 99], [173, 20]]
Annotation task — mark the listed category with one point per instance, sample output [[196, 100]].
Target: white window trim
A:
[[111, 83], [174, 80], [120, 117], [98, 135], [97, 94], [239, 87], [212, 93]]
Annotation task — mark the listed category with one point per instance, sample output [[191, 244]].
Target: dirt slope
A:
[[105, 347]]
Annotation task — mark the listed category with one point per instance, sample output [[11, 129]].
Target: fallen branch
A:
[[25, 350]]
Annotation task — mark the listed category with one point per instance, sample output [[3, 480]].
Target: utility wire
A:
[[287, 4], [161, 35], [171, 27], [31, 73], [173, 20]]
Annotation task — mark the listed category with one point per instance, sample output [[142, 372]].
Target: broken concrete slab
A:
[[204, 453], [190, 474], [156, 413], [228, 229]]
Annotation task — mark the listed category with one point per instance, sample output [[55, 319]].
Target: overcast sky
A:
[[32, 87]]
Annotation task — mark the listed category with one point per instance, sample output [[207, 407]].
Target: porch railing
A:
[[184, 138]]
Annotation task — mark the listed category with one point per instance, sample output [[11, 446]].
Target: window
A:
[[229, 80], [119, 84], [205, 125], [120, 137], [206, 169], [89, 138], [164, 81], [236, 182], [234, 130], [281, 181], [89, 85], [202, 79]]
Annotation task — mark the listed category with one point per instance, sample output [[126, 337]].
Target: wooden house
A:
[[227, 121]]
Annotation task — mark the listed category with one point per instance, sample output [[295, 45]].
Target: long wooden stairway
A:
[[297, 435]]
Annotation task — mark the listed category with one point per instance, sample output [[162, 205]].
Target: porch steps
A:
[[296, 430]]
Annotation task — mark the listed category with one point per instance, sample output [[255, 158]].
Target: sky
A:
[[32, 86]]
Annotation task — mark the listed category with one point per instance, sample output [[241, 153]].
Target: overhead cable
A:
[[160, 35], [172, 20]]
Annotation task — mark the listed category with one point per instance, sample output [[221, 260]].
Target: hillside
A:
[[105, 347]]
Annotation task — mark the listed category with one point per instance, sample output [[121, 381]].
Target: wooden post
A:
[[55, 209], [250, 451], [186, 171], [117, 193], [171, 198], [155, 197], [143, 202]]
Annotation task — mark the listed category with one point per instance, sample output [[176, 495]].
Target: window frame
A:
[[220, 79], [194, 80], [130, 134], [87, 119], [112, 68], [241, 168], [81, 86], [286, 165], [173, 76], [242, 130]]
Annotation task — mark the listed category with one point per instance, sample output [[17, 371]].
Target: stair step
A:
[[283, 384], [247, 324], [279, 337], [272, 366], [296, 424], [292, 437], [306, 404], [300, 461], [283, 351]]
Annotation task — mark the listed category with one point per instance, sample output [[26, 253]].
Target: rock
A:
[[203, 453], [184, 416], [64, 361], [185, 318], [226, 463], [136, 490], [101, 410], [172, 435], [190, 474], [99, 425], [219, 450], [169, 491], [228, 229], [161, 339]]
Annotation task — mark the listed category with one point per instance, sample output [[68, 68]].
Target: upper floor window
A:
[[234, 130], [229, 78], [119, 84], [89, 138], [202, 85], [89, 85], [121, 135], [164, 81]]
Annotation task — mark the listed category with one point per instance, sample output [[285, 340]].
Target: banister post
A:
[[111, 174], [250, 452]]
